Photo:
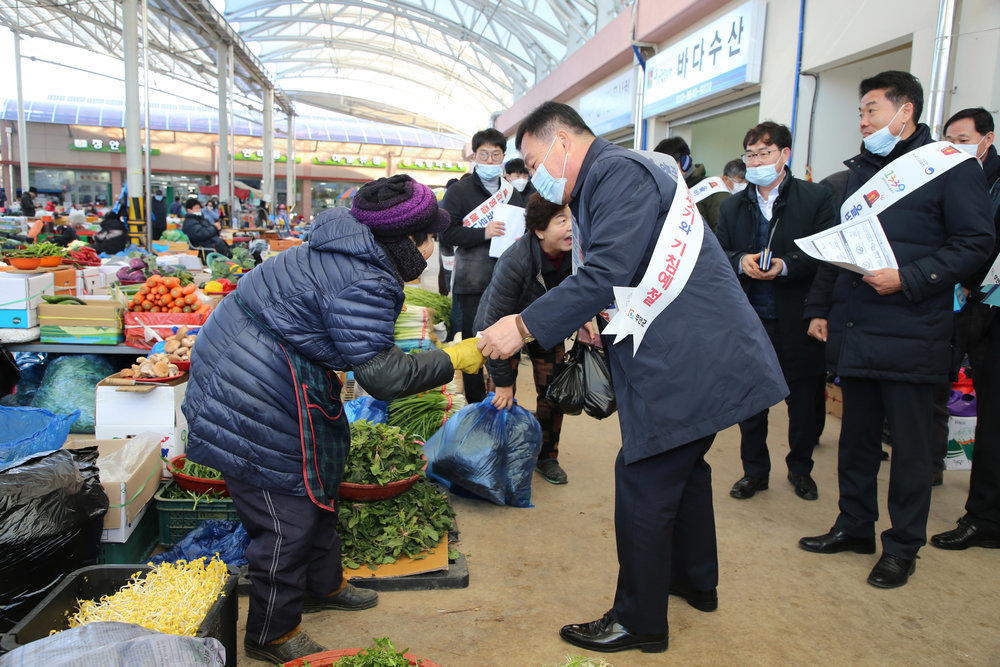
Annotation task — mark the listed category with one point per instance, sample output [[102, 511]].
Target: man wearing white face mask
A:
[[471, 238], [757, 229], [979, 334], [734, 175], [518, 176], [889, 334]]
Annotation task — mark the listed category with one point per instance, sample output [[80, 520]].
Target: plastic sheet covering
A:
[[51, 512], [114, 644], [117, 466], [70, 384], [32, 366], [29, 432], [598, 394], [488, 452], [227, 538], [368, 409]]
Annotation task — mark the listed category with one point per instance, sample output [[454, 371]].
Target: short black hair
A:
[[515, 166], [158, 191], [539, 213], [770, 133], [675, 147], [900, 88], [735, 168], [191, 203], [33, 190], [542, 121], [419, 238], [489, 137], [981, 118], [177, 198]]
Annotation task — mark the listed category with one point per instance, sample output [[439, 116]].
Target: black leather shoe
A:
[[965, 536], [747, 486], [350, 598], [836, 541], [891, 571], [701, 600], [608, 635], [805, 487]]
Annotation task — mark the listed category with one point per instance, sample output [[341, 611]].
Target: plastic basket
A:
[[180, 517], [91, 583]]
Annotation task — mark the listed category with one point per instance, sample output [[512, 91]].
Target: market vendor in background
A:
[[263, 403], [113, 235], [202, 234], [542, 252]]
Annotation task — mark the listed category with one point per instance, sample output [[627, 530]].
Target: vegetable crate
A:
[[180, 517], [91, 583]]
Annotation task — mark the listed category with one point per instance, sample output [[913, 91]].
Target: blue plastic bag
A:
[[488, 452], [228, 538], [367, 408], [29, 432]]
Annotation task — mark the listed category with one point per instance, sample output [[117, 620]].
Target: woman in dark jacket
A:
[[113, 237], [536, 263], [263, 402], [202, 234]]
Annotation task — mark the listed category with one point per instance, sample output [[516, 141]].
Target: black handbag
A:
[[598, 393], [10, 374]]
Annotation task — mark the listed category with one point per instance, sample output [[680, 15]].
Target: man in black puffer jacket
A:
[[473, 264], [202, 234], [889, 335], [537, 262]]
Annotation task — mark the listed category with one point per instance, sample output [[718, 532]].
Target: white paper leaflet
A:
[[513, 219]]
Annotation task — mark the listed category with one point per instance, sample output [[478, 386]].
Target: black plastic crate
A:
[[91, 583]]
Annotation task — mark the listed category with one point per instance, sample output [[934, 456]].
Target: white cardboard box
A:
[[122, 414], [130, 499], [88, 280], [23, 291]]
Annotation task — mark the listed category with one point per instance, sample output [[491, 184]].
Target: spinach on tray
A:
[[381, 454], [381, 532]]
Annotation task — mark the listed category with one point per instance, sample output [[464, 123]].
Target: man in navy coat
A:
[[704, 364]]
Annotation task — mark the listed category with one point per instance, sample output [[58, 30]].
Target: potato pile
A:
[[154, 366], [179, 346]]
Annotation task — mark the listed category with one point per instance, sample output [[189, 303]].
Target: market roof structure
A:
[[444, 65]]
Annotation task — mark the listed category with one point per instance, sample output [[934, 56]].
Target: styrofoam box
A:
[[23, 291], [122, 414]]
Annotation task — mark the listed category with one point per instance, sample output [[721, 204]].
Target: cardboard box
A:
[[133, 495], [18, 319], [122, 412], [88, 280], [834, 400], [65, 281], [284, 244], [97, 323], [23, 291]]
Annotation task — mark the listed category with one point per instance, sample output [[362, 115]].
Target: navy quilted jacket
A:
[[335, 300]]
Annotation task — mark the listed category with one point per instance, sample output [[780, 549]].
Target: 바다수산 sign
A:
[[717, 57]]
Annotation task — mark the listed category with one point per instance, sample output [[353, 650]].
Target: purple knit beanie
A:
[[398, 206]]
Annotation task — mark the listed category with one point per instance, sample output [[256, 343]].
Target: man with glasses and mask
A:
[[889, 333], [703, 362], [471, 237], [757, 229]]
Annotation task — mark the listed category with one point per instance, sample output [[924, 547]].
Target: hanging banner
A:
[[674, 257]]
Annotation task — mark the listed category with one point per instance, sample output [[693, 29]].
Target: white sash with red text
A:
[[481, 216], [708, 187]]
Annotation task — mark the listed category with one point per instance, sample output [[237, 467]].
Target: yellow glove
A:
[[465, 356]]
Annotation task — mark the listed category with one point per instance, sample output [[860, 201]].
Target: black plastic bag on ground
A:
[[488, 452], [51, 512], [566, 389], [599, 394]]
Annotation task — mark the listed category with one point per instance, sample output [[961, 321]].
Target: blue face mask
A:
[[762, 175], [549, 188], [488, 172], [881, 142], [158, 197]]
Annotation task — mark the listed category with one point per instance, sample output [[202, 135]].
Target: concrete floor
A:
[[534, 570]]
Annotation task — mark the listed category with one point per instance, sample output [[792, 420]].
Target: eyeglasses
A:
[[489, 156], [759, 155]]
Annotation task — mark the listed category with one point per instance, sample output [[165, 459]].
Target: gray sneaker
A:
[[298, 646], [351, 598], [551, 471]]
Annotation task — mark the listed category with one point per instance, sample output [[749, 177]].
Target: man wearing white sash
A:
[[889, 333], [689, 358], [708, 192]]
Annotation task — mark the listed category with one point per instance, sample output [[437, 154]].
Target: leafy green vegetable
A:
[[192, 469], [427, 299], [383, 531], [174, 492], [381, 454], [380, 654]]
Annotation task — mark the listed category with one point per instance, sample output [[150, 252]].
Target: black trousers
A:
[[665, 530], [983, 505], [475, 385], [806, 403], [294, 551], [939, 442], [908, 407]]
